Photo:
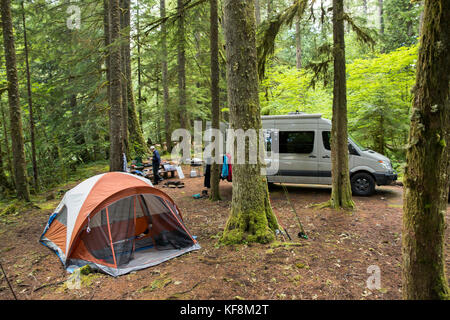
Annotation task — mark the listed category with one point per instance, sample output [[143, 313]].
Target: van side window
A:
[[296, 141], [326, 139], [326, 143], [268, 140]]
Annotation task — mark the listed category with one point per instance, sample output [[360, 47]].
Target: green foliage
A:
[[402, 20], [379, 100], [69, 86], [287, 89]]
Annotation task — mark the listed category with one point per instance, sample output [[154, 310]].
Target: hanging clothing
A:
[[230, 169], [224, 174]]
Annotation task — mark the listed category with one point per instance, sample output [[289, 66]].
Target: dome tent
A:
[[117, 223]]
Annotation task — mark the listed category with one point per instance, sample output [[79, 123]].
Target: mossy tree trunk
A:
[[341, 194], [428, 162], [115, 124], [139, 65], [251, 218], [257, 12], [215, 92], [15, 114], [3, 179], [7, 149]]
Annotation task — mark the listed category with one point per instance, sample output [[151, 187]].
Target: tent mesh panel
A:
[[164, 229]]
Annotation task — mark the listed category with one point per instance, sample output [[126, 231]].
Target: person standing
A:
[[156, 162]]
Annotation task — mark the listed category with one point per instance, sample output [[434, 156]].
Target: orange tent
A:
[[117, 222]]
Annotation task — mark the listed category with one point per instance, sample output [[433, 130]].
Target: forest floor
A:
[[331, 264]]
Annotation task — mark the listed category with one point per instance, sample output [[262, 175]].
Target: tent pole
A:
[[110, 238]]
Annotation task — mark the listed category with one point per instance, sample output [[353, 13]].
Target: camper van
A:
[[304, 154]]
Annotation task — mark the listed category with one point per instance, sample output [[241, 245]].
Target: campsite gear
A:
[[200, 196], [284, 229], [175, 184], [98, 221], [302, 233], [137, 172], [7, 281], [195, 165], [180, 172], [278, 231]]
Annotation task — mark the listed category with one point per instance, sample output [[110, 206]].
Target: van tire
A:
[[363, 184]]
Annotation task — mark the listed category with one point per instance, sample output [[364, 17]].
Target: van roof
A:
[[293, 115]]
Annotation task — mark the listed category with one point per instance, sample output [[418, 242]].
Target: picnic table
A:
[[164, 169]]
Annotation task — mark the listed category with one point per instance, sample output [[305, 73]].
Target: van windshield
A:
[[357, 144]]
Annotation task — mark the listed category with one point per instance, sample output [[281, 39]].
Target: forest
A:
[[83, 83]]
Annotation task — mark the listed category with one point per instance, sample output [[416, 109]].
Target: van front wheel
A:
[[362, 184]]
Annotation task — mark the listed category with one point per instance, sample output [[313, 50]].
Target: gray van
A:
[[304, 154]]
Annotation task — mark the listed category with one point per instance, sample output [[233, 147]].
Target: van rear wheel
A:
[[363, 184]]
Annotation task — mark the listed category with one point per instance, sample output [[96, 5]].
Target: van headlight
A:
[[385, 164]]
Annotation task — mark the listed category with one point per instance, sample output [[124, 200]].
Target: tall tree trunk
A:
[[257, 12], [6, 142], [428, 162], [298, 44], [3, 179], [30, 105], [134, 127], [158, 114], [215, 93], [251, 218], [181, 59], [15, 114], [138, 45], [380, 16], [115, 129], [107, 41], [341, 194], [269, 9], [124, 80], [164, 73]]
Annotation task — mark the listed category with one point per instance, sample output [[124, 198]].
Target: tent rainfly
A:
[[117, 223]]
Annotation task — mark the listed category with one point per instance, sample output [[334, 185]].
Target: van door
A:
[[325, 157], [298, 156]]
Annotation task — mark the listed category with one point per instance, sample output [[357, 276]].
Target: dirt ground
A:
[[331, 264]]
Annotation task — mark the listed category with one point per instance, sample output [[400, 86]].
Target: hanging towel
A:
[[224, 174], [230, 171]]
